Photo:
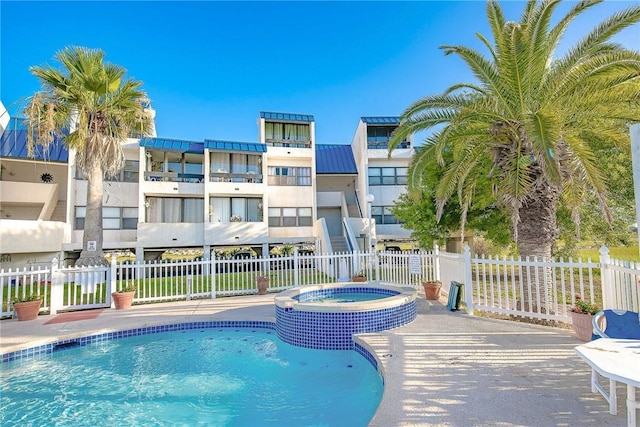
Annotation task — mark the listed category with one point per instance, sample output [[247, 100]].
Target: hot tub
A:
[[313, 316]]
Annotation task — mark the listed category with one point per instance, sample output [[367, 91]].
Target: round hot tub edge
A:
[[331, 325]]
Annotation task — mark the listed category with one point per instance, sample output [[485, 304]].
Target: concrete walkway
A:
[[443, 369]]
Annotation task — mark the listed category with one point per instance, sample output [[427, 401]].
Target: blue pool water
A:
[[219, 377], [343, 297], [344, 294]]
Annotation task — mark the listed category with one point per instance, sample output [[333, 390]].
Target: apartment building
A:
[[197, 196]]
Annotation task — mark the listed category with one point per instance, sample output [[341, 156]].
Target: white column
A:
[[370, 199]]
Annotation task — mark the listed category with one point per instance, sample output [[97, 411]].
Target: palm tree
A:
[[90, 106], [532, 121]]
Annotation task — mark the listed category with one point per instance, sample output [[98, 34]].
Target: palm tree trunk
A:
[[537, 231], [92, 237]]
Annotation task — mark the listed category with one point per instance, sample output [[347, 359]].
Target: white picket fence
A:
[[544, 289]]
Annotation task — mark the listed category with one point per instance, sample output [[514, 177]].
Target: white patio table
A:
[[617, 360]]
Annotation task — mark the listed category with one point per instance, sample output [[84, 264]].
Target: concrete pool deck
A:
[[443, 369]]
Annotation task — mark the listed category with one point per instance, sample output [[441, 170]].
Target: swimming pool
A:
[[201, 373]]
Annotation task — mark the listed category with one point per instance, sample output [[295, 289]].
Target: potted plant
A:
[[262, 283], [360, 277], [582, 318], [432, 289], [27, 307], [123, 298]]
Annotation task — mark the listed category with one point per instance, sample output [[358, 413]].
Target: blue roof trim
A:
[[173, 145], [335, 159], [247, 147], [286, 116], [383, 120], [13, 143]]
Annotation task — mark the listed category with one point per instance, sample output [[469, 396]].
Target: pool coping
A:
[[287, 299]]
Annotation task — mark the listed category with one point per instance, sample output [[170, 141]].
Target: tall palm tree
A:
[[531, 121], [90, 106]]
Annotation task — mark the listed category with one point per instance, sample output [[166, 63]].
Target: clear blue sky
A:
[[210, 67]]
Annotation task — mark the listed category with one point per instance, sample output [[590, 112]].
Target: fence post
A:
[[206, 264], [468, 280], [111, 281], [608, 290], [436, 262], [57, 287], [213, 274], [296, 271]]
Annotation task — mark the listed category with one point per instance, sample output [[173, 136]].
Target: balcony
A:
[[28, 200]]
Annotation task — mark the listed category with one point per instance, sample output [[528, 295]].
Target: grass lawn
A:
[[627, 253]]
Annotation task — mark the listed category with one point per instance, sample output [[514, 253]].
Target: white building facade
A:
[[199, 196]]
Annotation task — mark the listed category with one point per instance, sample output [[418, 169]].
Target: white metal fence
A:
[[531, 288]]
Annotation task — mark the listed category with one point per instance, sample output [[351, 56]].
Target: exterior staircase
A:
[[339, 244], [60, 212], [353, 210]]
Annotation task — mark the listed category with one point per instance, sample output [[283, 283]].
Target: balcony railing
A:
[[288, 143], [250, 177], [174, 177], [378, 143]]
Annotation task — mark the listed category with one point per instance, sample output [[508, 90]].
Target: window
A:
[[388, 176], [175, 167], [129, 172], [280, 175], [175, 209], [129, 218], [113, 218], [244, 167], [290, 217], [247, 209], [378, 137], [277, 132], [383, 215]]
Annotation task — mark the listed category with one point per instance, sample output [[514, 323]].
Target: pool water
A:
[[343, 297], [221, 377]]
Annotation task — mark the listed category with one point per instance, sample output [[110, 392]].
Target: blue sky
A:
[[210, 67]]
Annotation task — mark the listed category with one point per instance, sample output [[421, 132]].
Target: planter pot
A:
[[582, 325], [262, 283], [432, 290], [123, 300], [359, 279], [27, 310]]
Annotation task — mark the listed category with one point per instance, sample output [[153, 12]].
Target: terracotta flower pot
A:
[[359, 279], [27, 310], [582, 325], [263, 284], [123, 300], [432, 290]]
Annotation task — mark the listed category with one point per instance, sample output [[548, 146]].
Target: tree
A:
[[416, 211], [533, 123], [90, 106]]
